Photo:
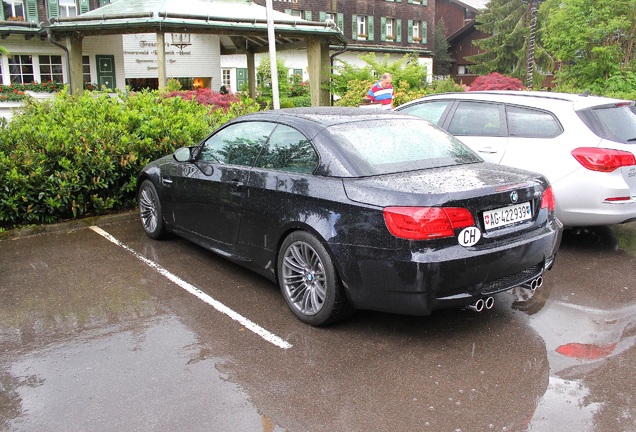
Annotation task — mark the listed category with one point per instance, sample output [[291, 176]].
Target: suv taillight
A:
[[603, 160], [422, 223]]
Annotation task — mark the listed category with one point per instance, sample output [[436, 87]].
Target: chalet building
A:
[[393, 27], [460, 21]]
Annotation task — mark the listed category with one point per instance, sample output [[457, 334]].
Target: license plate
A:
[[505, 216]]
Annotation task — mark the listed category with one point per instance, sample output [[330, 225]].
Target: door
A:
[[241, 78], [105, 71], [481, 126], [209, 195]]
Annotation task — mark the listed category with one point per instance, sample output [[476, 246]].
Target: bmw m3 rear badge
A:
[[469, 236]]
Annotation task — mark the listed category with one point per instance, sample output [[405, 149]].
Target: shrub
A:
[[495, 81], [71, 156]]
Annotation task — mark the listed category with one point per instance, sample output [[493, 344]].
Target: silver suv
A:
[[583, 144]]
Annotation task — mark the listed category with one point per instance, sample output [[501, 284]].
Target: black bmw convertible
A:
[[349, 209]]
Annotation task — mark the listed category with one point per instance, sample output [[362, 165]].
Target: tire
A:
[[309, 281], [150, 211]]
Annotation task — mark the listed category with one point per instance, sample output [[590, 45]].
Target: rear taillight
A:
[[603, 160], [548, 201], [422, 223]]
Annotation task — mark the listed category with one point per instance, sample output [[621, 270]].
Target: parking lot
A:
[[103, 329]]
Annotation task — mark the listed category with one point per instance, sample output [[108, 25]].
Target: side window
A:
[[237, 144], [431, 111], [476, 118], [529, 123], [288, 150]]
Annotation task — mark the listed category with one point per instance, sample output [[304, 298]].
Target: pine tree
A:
[[505, 50], [441, 57]]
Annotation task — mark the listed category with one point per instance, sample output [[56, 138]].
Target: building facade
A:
[[391, 27]]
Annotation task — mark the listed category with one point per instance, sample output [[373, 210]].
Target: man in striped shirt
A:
[[382, 92]]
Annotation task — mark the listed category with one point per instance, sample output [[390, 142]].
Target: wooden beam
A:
[[74, 47], [161, 59]]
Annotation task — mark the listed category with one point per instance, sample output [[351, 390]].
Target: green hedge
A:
[[73, 156]]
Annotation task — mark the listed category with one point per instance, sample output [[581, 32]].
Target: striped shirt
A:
[[383, 95]]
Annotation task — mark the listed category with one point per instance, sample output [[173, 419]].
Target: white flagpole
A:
[[272, 53]]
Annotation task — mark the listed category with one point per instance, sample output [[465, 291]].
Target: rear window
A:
[[389, 146], [614, 123]]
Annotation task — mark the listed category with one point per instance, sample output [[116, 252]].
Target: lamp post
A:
[[534, 6]]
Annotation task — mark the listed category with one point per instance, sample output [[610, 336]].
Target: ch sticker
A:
[[469, 236]]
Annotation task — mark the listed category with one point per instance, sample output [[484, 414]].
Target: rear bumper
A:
[[420, 281]]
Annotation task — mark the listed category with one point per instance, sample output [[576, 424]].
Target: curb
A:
[[71, 225]]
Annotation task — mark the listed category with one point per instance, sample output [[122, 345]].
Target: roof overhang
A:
[[242, 25]]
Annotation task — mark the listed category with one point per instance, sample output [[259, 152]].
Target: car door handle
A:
[[487, 150], [166, 181], [235, 184]]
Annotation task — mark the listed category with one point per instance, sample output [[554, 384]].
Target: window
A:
[[237, 144], [418, 31], [13, 10], [226, 77], [468, 14], [51, 68], [288, 150], [463, 70], [86, 69], [529, 123], [430, 111], [330, 17], [21, 69], [306, 15], [362, 27], [476, 118], [390, 28], [67, 8]]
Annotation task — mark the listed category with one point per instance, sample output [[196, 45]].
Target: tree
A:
[[594, 41], [505, 50], [441, 57]]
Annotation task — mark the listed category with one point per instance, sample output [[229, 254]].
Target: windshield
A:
[[389, 146], [615, 123]]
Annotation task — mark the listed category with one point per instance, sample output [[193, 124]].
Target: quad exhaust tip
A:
[[534, 283], [482, 304]]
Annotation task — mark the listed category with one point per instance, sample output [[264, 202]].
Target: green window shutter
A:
[[103, 2], [398, 30], [424, 32], [424, 2], [383, 28], [308, 15], [31, 8], [410, 1], [322, 16], [84, 6], [52, 8], [370, 27], [410, 34], [398, 1], [288, 11], [354, 27], [340, 21], [2, 18]]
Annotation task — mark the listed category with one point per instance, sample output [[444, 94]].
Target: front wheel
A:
[[309, 281], [150, 211]]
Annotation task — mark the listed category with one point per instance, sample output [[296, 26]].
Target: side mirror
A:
[[184, 154]]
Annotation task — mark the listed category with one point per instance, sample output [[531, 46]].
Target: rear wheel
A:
[[309, 281], [150, 211]]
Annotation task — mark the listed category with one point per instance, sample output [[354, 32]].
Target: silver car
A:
[[583, 144]]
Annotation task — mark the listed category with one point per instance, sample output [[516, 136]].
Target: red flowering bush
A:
[[495, 81], [207, 97]]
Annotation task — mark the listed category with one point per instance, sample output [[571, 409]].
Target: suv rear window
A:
[[614, 123]]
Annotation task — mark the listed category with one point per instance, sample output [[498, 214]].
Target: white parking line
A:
[[268, 336]]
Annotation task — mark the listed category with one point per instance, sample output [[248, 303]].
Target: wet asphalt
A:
[[107, 330]]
